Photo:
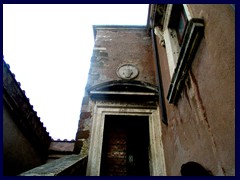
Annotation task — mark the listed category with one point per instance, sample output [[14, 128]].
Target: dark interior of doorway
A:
[[125, 146]]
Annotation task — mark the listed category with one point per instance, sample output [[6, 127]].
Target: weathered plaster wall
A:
[[201, 127], [113, 48], [18, 153]]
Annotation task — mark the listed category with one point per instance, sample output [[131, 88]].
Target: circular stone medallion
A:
[[127, 71]]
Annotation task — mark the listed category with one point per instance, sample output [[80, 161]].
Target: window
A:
[[181, 34], [175, 23], [181, 24]]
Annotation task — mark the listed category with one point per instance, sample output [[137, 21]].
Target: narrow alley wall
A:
[[201, 126]]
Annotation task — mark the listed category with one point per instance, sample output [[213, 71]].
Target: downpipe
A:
[[159, 78]]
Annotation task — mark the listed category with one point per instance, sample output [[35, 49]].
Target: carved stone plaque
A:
[[127, 71]]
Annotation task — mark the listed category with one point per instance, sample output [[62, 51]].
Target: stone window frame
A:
[[170, 37], [179, 57], [156, 154]]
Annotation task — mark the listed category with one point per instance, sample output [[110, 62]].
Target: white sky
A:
[[48, 48]]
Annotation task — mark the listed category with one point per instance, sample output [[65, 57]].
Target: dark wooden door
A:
[[125, 146]]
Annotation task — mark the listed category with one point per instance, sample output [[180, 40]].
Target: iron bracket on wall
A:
[[191, 41]]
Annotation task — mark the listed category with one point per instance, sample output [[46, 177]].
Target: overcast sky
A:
[[48, 48]]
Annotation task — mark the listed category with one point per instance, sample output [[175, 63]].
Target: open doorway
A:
[[135, 115], [125, 149]]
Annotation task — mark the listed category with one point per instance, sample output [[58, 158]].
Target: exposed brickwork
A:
[[77, 146], [85, 115], [83, 134], [125, 146], [115, 159], [114, 47]]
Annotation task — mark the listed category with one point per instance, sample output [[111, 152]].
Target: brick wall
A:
[[113, 48]]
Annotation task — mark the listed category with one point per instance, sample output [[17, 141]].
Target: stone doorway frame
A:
[[101, 109]]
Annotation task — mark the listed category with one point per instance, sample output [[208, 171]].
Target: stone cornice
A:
[[124, 90]]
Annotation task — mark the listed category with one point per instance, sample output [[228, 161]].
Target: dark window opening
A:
[[178, 21]]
